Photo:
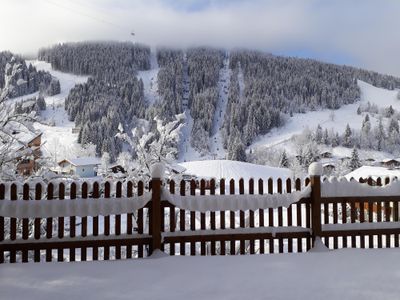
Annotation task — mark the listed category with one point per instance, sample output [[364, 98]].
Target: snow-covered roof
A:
[[374, 172], [83, 161], [386, 160], [233, 169]]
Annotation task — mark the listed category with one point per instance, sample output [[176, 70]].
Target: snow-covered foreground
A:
[[340, 274]]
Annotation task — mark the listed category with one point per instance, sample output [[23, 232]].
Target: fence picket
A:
[[107, 194], [61, 196], [222, 217], [72, 222], [25, 222], [182, 219], [192, 217], [261, 216], [232, 218], [49, 221], [84, 222]]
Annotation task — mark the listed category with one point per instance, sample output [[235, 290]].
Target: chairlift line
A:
[[132, 33]]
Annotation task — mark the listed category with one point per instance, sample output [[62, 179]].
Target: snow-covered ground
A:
[[58, 141], [332, 119], [340, 274]]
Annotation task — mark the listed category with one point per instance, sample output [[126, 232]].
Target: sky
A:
[[363, 33]]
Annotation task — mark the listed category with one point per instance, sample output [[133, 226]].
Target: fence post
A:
[[157, 172], [315, 172]]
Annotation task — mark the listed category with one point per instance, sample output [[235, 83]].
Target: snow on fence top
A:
[[334, 187], [235, 202], [77, 207], [315, 169]]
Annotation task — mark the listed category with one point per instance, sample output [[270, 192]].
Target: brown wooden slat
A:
[[37, 221], [222, 216], [271, 214], [230, 237], [140, 222], [242, 218], [74, 244], [84, 223], [72, 222], [289, 214], [280, 215], [299, 216], [232, 218], [61, 197], [251, 216], [172, 217], [95, 220], [118, 194], [192, 217], [49, 221], [202, 217], [212, 218], [396, 219], [182, 215], [107, 194], [25, 221], [261, 215], [2, 222], [13, 223]]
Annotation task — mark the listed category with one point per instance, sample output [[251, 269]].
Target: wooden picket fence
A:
[[161, 225]]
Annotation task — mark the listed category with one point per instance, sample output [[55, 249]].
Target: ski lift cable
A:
[[76, 11]]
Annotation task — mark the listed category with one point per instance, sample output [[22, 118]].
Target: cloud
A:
[[361, 33]]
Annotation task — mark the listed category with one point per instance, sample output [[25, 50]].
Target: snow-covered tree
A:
[[157, 145], [284, 162], [354, 162]]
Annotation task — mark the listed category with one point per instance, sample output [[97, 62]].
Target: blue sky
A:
[[363, 33]]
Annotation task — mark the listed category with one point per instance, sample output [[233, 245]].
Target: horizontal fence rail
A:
[[132, 219]]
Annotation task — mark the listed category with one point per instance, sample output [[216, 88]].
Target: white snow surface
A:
[[58, 141], [374, 172], [216, 140], [341, 187], [235, 202], [229, 169], [80, 207], [149, 79], [347, 274], [315, 169], [347, 114]]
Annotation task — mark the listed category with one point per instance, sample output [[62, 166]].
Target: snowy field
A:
[[339, 274]]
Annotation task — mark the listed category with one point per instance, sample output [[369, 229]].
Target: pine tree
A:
[[347, 137], [284, 162], [354, 161]]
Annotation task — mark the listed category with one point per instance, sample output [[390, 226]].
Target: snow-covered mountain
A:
[[234, 102]]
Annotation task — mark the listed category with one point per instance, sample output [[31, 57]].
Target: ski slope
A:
[[58, 141], [149, 79], [330, 119]]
